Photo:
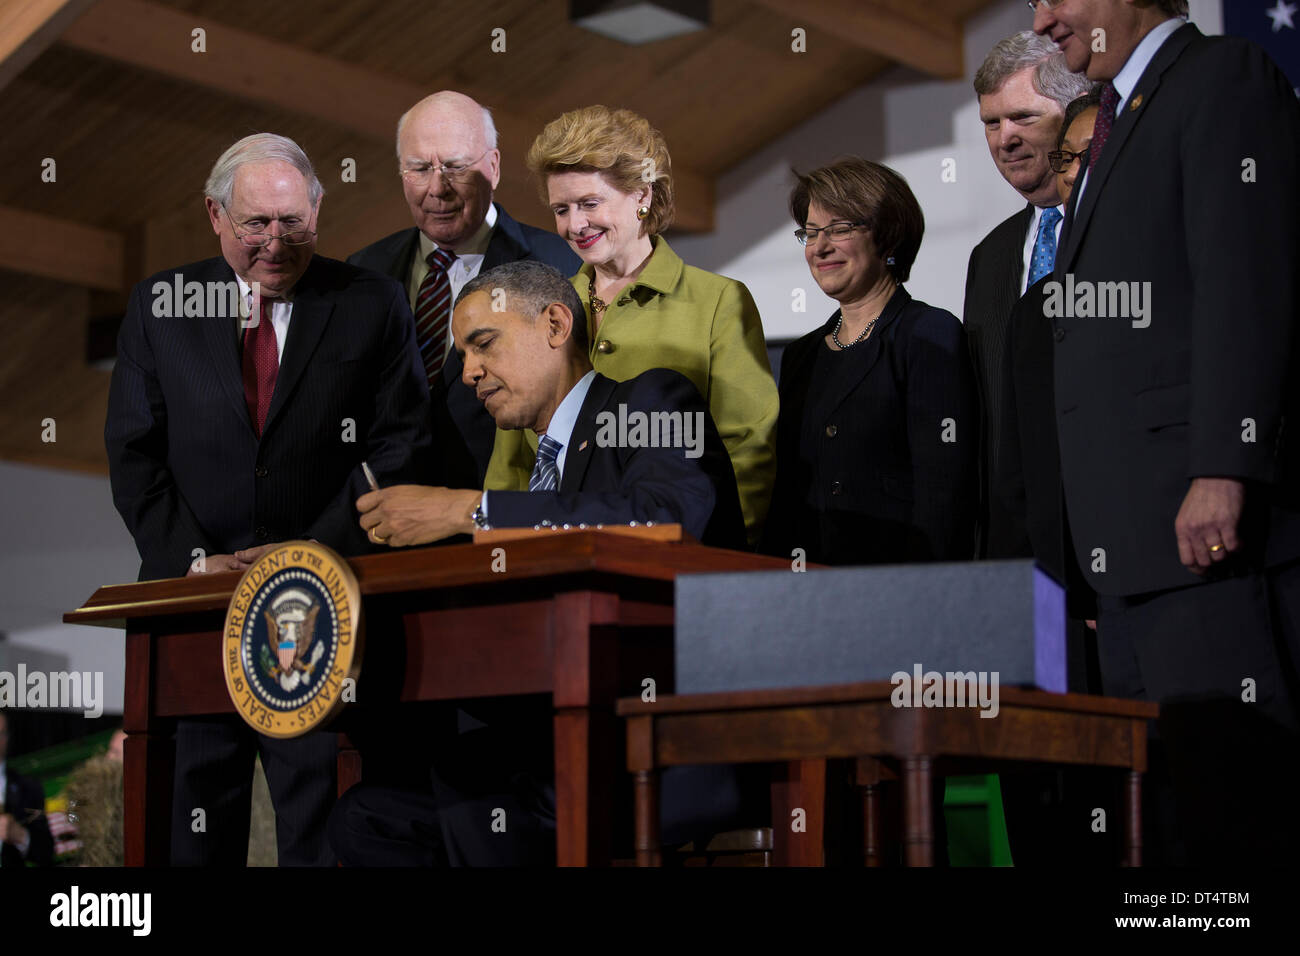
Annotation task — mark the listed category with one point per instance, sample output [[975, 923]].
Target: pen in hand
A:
[[370, 476]]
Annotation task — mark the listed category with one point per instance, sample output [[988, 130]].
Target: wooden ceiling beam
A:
[[29, 27], [911, 33], [58, 249], [239, 63]]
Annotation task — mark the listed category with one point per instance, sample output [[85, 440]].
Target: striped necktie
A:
[[546, 474], [433, 312]]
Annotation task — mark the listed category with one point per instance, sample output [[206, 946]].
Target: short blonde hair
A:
[[614, 143]]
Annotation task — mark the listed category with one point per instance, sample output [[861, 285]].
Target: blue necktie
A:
[[546, 475], [1044, 258]]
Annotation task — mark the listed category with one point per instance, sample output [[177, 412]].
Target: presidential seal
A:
[[292, 637]]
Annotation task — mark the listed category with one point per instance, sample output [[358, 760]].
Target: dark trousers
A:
[[1050, 811], [489, 799], [214, 773], [1220, 659]]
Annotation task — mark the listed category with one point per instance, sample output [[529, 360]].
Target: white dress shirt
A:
[[468, 262], [281, 311], [1127, 78], [562, 424]]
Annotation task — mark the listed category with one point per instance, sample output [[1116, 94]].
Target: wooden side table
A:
[[860, 721]]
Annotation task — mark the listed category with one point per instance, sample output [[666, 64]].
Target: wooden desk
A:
[[859, 721], [581, 616]]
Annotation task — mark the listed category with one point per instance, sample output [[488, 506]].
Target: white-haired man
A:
[[248, 390], [449, 166]]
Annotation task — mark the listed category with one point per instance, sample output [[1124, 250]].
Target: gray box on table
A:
[[764, 629]]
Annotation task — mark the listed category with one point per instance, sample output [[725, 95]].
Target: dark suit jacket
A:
[[187, 469], [1143, 410], [463, 430], [1026, 478], [993, 280], [22, 795], [616, 485], [885, 485]]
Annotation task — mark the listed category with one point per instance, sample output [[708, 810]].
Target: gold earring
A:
[[643, 212]]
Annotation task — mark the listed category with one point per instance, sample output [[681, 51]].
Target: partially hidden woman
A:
[[878, 433], [607, 178]]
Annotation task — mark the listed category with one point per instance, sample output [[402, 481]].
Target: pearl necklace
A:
[[835, 336]]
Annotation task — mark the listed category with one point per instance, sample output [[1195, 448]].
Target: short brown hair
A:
[[863, 191], [614, 143], [1175, 8]]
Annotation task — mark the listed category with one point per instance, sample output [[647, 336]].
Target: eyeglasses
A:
[[255, 240], [418, 174], [1050, 4], [835, 232], [1062, 159]]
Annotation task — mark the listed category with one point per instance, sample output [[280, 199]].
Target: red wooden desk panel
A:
[[556, 621]]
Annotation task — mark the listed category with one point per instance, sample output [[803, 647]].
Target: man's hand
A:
[[1207, 522], [248, 556], [11, 831], [213, 564], [415, 514]]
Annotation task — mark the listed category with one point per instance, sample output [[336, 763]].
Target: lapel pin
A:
[[582, 446], [1137, 101]]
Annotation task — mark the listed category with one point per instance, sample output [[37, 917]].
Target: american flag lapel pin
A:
[[583, 445]]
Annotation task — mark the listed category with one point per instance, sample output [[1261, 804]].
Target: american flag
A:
[[1274, 25]]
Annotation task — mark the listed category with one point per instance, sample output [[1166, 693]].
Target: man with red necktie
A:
[[1177, 406], [239, 415]]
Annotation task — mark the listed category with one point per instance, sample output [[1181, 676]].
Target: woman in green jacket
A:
[[606, 176]]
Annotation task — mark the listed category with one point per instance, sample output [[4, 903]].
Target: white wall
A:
[[63, 539], [911, 124]]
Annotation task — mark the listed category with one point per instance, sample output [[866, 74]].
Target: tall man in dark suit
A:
[[1023, 88], [522, 334], [227, 433], [450, 165], [1177, 398], [24, 832]]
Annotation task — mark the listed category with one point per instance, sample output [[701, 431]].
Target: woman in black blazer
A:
[[878, 433]]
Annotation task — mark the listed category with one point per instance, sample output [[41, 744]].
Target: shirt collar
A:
[[1038, 215], [475, 245], [663, 270], [565, 418], [246, 291], [1141, 58]]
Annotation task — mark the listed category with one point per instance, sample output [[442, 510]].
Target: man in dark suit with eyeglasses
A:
[[449, 166]]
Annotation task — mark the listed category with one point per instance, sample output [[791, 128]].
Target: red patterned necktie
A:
[[261, 364], [433, 312], [1105, 118]]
